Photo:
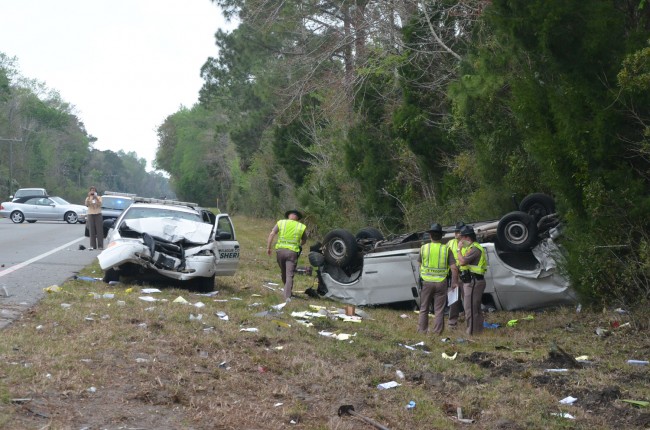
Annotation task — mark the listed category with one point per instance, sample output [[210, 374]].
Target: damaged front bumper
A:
[[166, 259]]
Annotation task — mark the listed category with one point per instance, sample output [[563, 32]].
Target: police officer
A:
[[472, 261], [435, 259], [454, 308], [291, 237]]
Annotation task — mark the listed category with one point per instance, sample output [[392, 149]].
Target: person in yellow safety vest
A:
[[454, 308], [472, 260], [435, 260], [291, 237]]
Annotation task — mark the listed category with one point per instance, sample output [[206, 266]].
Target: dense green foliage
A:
[[550, 70], [394, 114], [44, 144]]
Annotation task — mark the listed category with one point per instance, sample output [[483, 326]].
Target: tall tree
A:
[[547, 77]]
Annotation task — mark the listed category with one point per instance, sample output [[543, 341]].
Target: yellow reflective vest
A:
[[481, 267], [290, 234], [435, 262], [453, 245]]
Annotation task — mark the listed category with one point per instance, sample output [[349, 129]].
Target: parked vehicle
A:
[[39, 208], [171, 240], [366, 269], [113, 204], [24, 192]]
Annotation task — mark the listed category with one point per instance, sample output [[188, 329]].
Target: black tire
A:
[[17, 217], [203, 285], [339, 247], [369, 233], [71, 217], [316, 259], [517, 231], [537, 205], [111, 275], [31, 221]]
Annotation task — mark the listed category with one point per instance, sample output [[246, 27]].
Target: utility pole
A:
[[11, 159]]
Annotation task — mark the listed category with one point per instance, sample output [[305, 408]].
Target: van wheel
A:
[[537, 205], [369, 233], [517, 231], [339, 247]]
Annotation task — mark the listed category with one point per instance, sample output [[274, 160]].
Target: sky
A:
[[125, 65]]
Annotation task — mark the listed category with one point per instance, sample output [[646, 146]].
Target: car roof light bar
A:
[[163, 202], [115, 193]]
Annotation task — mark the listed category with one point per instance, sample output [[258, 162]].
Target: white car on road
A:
[[43, 208], [173, 240]]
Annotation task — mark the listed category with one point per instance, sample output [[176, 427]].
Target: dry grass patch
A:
[[117, 363]]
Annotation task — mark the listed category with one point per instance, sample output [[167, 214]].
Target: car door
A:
[[226, 245], [31, 208], [49, 210]]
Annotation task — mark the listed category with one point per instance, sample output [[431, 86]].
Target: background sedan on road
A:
[[39, 208]]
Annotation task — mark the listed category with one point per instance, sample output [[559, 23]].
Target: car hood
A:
[[172, 229]]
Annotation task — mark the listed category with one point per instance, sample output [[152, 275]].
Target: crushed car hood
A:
[[172, 229]]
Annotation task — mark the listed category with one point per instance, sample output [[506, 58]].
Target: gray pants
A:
[[287, 260], [473, 292], [96, 230], [454, 309], [435, 292]]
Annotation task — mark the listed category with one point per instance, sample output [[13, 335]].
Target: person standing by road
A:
[[472, 260], [435, 260], [291, 237], [94, 219], [455, 284]]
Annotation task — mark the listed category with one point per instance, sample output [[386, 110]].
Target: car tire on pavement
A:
[[31, 221], [71, 217], [339, 247], [517, 231], [17, 217], [537, 205]]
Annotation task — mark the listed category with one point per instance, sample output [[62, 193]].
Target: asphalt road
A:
[[36, 256]]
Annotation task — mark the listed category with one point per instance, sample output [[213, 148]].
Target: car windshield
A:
[[59, 201], [118, 203], [152, 212]]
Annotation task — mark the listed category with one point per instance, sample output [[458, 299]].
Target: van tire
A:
[[537, 205], [369, 233], [339, 247], [517, 231]]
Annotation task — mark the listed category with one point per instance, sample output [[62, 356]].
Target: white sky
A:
[[124, 64]]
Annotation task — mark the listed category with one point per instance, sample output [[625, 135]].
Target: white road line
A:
[[39, 257]]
